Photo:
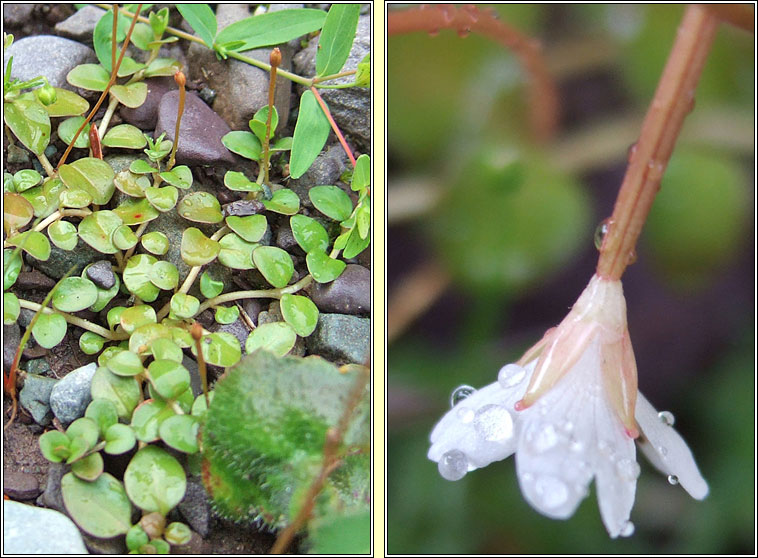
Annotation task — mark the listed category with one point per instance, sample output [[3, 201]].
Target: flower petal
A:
[[482, 426], [667, 450]]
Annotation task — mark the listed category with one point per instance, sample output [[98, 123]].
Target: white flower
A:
[[570, 411]]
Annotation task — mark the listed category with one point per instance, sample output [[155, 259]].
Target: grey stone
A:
[[60, 261], [23, 524], [47, 55], [341, 338], [350, 293], [18, 485], [38, 366], [195, 507], [11, 339], [326, 169], [34, 280], [241, 89], [101, 274], [81, 25], [145, 115], [35, 397], [200, 132], [16, 13], [71, 395], [242, 208], [17, 154], [252, 307], [52, 497], [351, 107], [116, 545]]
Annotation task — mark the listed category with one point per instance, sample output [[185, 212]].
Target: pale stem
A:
[[112, 104], [673, 100], [49, 169], [74, 320], [267, 293]]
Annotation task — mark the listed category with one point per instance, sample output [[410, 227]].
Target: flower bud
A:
[[180, 79], [46, 94], [276, 57]]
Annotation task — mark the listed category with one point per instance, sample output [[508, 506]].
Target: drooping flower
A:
[[570, 411]]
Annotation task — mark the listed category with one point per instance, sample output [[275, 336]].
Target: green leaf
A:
[[154, 480], [74, 198], [136, 277], [123, 391], [131, 184], [220, 349], [12, 263], [55, 446], [163, 199], [238, 182], [132, 95], [180, 432], [309, 233], [155, 242], [251, 227], [277, 337], [104, 296], [88, 468], [102, 37], [50, 329], [136, 536], [184, 305], [73, 294], [147, 418], [198, 249], [235, 252], [92, 77], [200, 207], [169, 378], [125, 363], [323, 268], [202, 20], [166, 349], [132, 318], [348, 533], [103, 412], [140, 166], [11, 308], [44, 198], [274, 264], [355, 244], [283, 201], [209, 286], [272, 28], [336, 38], [119, 439], [300, 313], [67, 103], [178, 533], [244, 144], [17, 211], [180, 176], [134, 211], [361, 173], [258, 123], [129, 65], [164, 275], [91, 343], [227, 314], [126, 136], [25, 179], [97, 230], [33, 243], [101, 508], [331, 201], [311, 131], [124, 238], [29, 122], [162, 67], [67, 129], [92, 175], [63, 235]]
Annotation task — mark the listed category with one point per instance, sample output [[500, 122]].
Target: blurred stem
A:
[[739, 15], [673, 100], [414, 296]]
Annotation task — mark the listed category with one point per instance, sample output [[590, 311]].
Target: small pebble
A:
[[243, 208], [101, 274], [18, 485], [71, 395]]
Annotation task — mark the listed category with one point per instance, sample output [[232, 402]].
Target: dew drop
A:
[[576, 446], [567, 426], [551, 491], [511, 375], [601, 231], [493, 423], [545, 439], [666, 417], [631, 152], [460, 393], [628, 469], [453, 465], [465, 415], [627, 529], [663, 451], [673, 479]]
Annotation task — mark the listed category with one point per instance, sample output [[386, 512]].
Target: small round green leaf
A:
[[147, 419], [132, 95], [75, 198], [97, 230], [68, 128], [132, 184], [74, 293], [220, 349], [162, 199], [107, 354], [184, 305], [143, 337], [323, 268], [11, 308], [209, 286], [198, 249], [136, 536], [124, 238], [91, 343], [169, 378], [30, 123], [180, 432], [283, 201], [17, 211], [177, 533], [235, 252], [355, 244], [154, 480], [200, 207], [164, 275], [12, 263], [331, 201], [141, 166], [134, 211], [119, 439], [227, 314], [180, 176], [125, 136], [55, 446], [275, 264], [104, 296], [100, 508], [125, 363], [251, 227], [49, 330], [133, 317], [238, 182], [25, 179], [89, 76], [114, 316], [103, 412], [155, 242], [300, 313], [166, 349], [88, 468], [136, 277], [244, 144], [122, 391], [63, 235], [361, 173], [199, 407], [33, 243], [276, 337], [309, 233], [162, 67], [67, 103], [92, 175]]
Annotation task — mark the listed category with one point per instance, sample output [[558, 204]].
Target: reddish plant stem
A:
[[104, 94], [275, 59], [333, 125], [94, 143], [114, 32], [739, 15], [543, 97], [673, 100], [181, 82]]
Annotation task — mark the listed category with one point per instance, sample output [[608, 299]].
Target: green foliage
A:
[[310, 135], [336, 38]]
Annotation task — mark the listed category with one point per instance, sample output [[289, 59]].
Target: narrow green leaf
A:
[[336, 38], [202, 19], [272, 28], [311, 131]]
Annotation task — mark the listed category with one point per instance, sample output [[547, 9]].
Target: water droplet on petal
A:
[[511, 375], [551, 491], [628, 469], [663, 451], [627, 530], [545, 439], [493, 423], [576, 446], [673, 479], [666, 417], [453, 465], [460, 393], [465, 415], [567, 426]]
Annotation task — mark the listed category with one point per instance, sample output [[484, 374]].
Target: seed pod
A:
[[46, 94]]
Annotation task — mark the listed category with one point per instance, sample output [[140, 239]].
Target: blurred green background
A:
[[510, 225]]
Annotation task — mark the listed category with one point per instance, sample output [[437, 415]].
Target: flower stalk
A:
[[276, 60]]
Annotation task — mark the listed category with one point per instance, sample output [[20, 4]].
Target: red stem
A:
[[334, 125]]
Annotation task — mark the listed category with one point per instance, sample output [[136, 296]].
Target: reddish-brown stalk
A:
[[94, 143], [432, 18], [181, 82], [673, 100], [275, 59], [739, 15], [114, 31], [104, 94], [334, 126]]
